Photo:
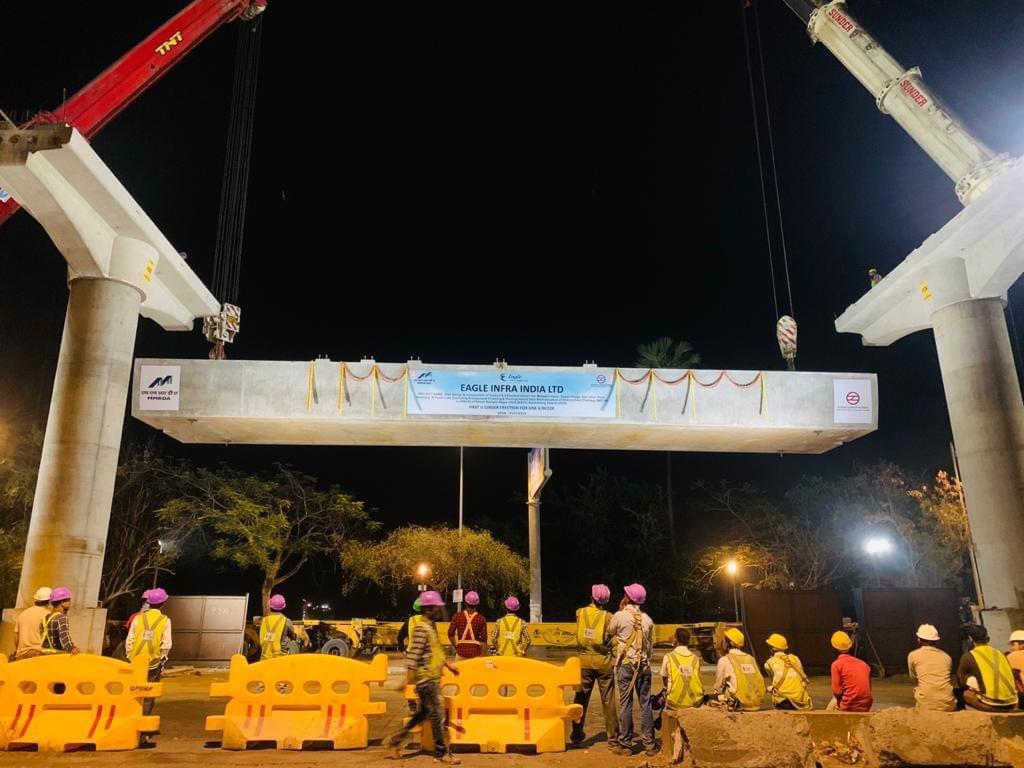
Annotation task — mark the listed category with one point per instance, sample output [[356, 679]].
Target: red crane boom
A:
[[129, 77]]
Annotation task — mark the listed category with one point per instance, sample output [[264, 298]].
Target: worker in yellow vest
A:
[[596, 664], [149, 634], [985, 676], [788, 686], [680, 674], [408, 629], [55, 629], [274, 628], [738, 683], [510, 636]]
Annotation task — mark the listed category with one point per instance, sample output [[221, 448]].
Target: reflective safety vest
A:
[[271, 635], [789, 683], [50, 634], [433, 670], [749, 683], [510, 636], [591, 623], [996, 675], [414, 621], [685, 689], [148, 633]]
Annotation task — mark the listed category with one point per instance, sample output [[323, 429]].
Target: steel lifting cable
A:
[[771, 154], [227, 257]]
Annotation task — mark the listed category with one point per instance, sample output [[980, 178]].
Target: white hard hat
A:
[[928, 632], [43, 593], [1017, 636]]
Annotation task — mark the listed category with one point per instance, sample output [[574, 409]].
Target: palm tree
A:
[[668, 353]]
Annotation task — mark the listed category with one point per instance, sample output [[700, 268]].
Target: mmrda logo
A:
[[161, 381]]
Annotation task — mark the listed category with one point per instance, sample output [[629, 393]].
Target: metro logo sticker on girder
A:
[[852, 401], [159, 388]]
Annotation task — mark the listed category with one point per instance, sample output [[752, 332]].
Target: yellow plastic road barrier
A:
[[60, 702], [508, 703], [299, 701]]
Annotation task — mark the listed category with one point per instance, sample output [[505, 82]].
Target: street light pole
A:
[[732, 567], [156, 562]]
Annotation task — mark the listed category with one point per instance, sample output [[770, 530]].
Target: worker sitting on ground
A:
[[1016, 659], [468, 630], [28, 628], [932, 668], [851, 678], [632, 629], [738, 684], [511, 636], [274, 628], [405, 634], [55, 629], [788, 687], [593, 637], [985, 676], [680, 675]]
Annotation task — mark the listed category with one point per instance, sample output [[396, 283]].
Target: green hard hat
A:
[[416, 605]]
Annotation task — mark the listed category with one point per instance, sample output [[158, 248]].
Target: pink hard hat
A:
[[600, 593], [512, 603], [60, 594], [277, 602], [636, 593], [155, 596], [472, 598], [431, 598]]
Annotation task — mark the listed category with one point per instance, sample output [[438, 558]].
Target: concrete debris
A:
[[844, 753]]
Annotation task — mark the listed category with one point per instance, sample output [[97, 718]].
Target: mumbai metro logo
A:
[[161, 381], [160, 388]]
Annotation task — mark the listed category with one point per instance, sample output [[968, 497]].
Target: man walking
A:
[[28, 629], [424, 664], [593, 636], [468, 630], [632, 629]]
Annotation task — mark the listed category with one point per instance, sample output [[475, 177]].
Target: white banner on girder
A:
[[852, 401]]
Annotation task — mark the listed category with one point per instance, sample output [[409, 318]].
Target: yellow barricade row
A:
[[498, 702], [61, 703], [299, 701]]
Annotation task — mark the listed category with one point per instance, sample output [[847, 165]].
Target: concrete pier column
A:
[[533, 526], [68, 530], [987, 417]]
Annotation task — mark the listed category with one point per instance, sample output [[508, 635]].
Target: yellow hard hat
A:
[[777, 641], [735, 637], [841, 641]]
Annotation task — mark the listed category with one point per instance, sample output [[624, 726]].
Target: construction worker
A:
[[54, 629], [274, 628], [680, 675], [150, 634], [468, 629], [738, 684], [511, 636], [1016, 659], [632, 630], [28, 628], [406, 632], [932, 668], [424, 664], [874, 277], [985, 675], [593, 636], [788, 686], [851, 678]]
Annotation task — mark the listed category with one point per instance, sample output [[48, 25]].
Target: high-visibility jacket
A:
[[50, 633], [685, 688], [414, 621], [510, 636], [147, 635], [271, 635], [789, 683], [749, 683], [996, 675], [433, 670], [591, 625]]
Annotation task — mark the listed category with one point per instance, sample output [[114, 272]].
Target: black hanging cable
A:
[[760, 161], [771, 154]]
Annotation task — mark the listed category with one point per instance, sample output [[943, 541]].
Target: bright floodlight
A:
[[731, 567], [423, 570], [878, 546]]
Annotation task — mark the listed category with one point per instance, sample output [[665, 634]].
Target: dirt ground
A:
[[186, 703]]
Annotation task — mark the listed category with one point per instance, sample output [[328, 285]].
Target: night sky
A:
[[541, 182]]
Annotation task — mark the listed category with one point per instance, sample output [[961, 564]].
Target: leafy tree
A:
[[666, 353], [486, 564], [273, 524], [19, 467]]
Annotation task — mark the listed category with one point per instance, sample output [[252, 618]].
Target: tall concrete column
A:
[[987, 416], [71, 510], [536, 606]]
